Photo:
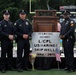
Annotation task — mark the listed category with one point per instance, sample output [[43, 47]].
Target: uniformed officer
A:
[[23, 29], [68, 40], [6, 32]]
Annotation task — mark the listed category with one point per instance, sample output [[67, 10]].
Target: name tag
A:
[[5, 25]]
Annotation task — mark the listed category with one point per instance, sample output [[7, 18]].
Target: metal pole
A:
[[58, 65]]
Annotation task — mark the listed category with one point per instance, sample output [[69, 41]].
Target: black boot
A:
[[3, 71], [19, 70]]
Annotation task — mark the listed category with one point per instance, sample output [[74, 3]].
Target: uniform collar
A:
[[6, 20], [22, 20]]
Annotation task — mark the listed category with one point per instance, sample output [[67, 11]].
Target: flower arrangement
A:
[[32, 57]]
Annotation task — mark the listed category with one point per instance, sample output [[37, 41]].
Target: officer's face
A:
[[65, 16], [22, 16], [6, 16]]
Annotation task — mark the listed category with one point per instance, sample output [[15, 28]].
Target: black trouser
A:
[[6, 48], [68, 46], [23, 45]]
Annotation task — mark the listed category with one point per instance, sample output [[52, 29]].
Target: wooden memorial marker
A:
[[45, 21]]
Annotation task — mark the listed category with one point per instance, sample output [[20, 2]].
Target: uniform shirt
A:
[[6, 28], [22, 27], [67, 28]]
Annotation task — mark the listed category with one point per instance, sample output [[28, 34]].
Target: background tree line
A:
[[15, 5]]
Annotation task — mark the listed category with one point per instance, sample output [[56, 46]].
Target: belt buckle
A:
[[67, 40]]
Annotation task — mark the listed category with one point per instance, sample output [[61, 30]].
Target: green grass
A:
[[39, 72]]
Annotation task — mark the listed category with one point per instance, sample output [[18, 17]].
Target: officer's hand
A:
[[25, 36], [62, 36], [11, 37]]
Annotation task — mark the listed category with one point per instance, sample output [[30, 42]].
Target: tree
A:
[[68, 2], [5, 4]]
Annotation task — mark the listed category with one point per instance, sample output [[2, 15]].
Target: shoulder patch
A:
[[15, 23], [71, 22]]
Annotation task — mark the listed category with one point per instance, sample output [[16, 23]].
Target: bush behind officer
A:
[[68, 40], [23, 29], [6, 32]]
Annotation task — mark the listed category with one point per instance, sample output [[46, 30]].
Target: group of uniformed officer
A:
[[21, 30]]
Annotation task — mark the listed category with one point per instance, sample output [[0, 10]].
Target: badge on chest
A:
[[27, 23], [66, 22], [20, 25], [5, 25]]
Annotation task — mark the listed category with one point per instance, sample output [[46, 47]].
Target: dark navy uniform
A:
[[6, 29], [68, 40], [22, 27]]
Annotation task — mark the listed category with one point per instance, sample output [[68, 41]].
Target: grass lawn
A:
[[39, 72]]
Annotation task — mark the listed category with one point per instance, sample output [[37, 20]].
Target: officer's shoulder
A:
[[72, 21], [27, 20], [1, 22], [17, 21]]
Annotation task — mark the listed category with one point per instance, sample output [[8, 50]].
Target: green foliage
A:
[[68, 2], [14, 13]]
